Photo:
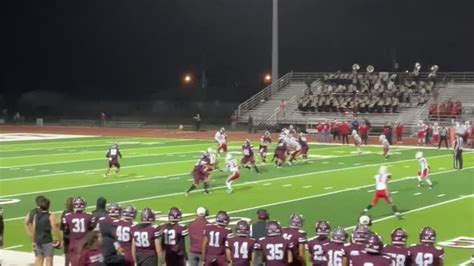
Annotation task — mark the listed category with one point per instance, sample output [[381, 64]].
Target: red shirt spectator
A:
[[344, 129], [364, 129], [399, 129]]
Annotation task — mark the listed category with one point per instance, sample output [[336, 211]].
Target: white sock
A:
[[229, 185], [419, 178], [429, 182]]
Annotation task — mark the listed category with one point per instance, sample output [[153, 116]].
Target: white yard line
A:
[[287, 185], [441, 195], [307, 186], [13, 247]]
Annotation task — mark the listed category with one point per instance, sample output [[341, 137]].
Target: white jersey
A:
[[220, 137], [293, 144], [232, 165], [381, 181], [212, 158], [435, 130], [423, 164], [385, 143]]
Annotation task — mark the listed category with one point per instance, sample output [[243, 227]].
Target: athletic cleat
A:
[[229, 191]]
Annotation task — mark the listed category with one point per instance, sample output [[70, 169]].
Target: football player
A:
[[386, 146], [124, 233], [239, 248], [276, 250], [315, 246], [248, 161], [381, 191], [113, 155], [298, 238], [333, 251], [233, 168], [265, 140], [173, 239], [424, 170], [357, 140], [77, 224], [215, 237], [221, 139], [146, 245], [398, 251], [294, 148], [279, 157], [200, 174], [303, 141], [421, 127], [426, 253], [359, 236], [372, 255]]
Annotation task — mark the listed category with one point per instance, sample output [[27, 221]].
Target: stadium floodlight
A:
[[187, 78]]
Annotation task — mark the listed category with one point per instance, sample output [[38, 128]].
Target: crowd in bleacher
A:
[[368, 92], [448, 109]]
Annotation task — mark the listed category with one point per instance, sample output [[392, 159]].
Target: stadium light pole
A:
[[275, 41]]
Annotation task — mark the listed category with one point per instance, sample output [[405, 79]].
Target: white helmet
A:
[[228, 156], [382, 137], [418, 155], [383, 169]]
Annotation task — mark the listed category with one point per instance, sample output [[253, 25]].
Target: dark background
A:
[[133, 50]]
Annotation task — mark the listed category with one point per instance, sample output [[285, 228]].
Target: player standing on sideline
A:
[[77, 224], [215, 237], [113, 155], [146, 244], [372, 254], [200, 174], [173, 239], [239, 248], [424, 170], [248, 161], [386, 146], [397, 250], [426, 253], [276, 250], [233, 168], [303, 141], [333, 251], [358, 239], [381, 191], [457, 152], [357, 141], [315, 246], [257, 231], [265, 140], [297, 237], [196, 228], [124, 233], [221, 139]]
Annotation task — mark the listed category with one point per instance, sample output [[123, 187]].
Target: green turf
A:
[[336, 184]]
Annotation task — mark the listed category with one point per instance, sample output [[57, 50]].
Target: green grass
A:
[[335, 185]]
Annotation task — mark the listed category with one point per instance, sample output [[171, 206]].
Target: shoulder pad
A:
[[439, 248], [327, 243], [261, 239], [347, 244], [301, 231], [67, 214], [413, 245]]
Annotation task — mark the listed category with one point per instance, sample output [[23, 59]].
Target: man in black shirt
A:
[[44, 227], [257, 231], [100, 210], [28, 223]]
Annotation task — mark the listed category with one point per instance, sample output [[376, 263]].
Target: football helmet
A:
[[360, 233], [222, 218], [273, 228], [175, 215], [148, 216], [418, 155], [322, 228], [339, 235], [114, 210], [374, 244], [383, 169], [267, 133], [242, 228], [262, 214], [222, 130], [129, 212], [296, 220], [427, 235], [399, 236], [365, 220], [228, 156], [79, 204], [382, 137]]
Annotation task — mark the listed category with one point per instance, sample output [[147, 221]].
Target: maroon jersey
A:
[[196, 229], [265, 140], [77, 225], [274, 250], [333, 253], [91, 257], [399, 255], [114, 154], [366, 259], [247, 150], [200, 173], [353, 250], [173, 238], [241, 249], [426, 255], [217, 236], [124, 237], [144, 236], [296, 237], [315, 248], [280, 151]]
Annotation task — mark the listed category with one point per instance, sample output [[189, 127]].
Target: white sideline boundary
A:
[[6, 137], [21, 258]]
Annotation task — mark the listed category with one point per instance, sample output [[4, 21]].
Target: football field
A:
[[336, 184]]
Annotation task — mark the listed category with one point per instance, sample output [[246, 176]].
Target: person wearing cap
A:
[[257, 231], [196, 229]]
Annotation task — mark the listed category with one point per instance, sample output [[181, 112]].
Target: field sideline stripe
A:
[[132, 166], [260, 181], [161, 177]]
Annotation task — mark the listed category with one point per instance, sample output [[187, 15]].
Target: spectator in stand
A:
[[345, 132], [282, 108], [364, 132], [196, 229], [399, 132]]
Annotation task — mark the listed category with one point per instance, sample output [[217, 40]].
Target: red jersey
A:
[[426, 255], [333, 253], [217, 236], [77, 224], [241, 249], [399, 255], [173, 236], [363, 130], [196, 229], [274, 250], [315, 248], [344, 129], [91, 257], [144, 236], [295, 236]]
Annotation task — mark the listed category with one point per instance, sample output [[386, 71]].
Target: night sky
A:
[[133, 47]]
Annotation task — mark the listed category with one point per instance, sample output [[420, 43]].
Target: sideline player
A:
[[424, 170], [276, 250], [240, 247], [372, 254], [200, 174], [397, 250], [381, 187], [248, 161], [386, 146], [315, 246], [298, 237], [265, 140], [124, 233], [221, 139], [426, 253], [358, 238], [233, 168], [334, 252], [146, 244], [215, 237], [173, 238], [357, 140], [113, 155]]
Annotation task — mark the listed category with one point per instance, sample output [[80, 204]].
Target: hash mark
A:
[[267, 184], [441, 195], [394, 192], [325, 162], [287, 185], [417, 194], [307, 186], [406, 166], [328, 188], [174, 178]]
